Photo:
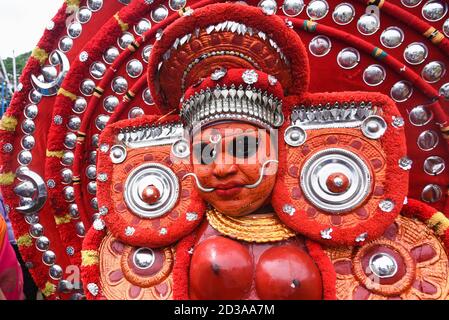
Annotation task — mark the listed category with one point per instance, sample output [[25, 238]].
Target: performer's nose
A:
[[222, 170]]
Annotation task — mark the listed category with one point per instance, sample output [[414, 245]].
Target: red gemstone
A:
[[151, 194], [337, 182]]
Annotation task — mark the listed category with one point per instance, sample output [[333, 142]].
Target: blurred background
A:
[[22, 23]]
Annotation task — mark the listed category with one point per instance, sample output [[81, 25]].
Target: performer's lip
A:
[[228, 189]]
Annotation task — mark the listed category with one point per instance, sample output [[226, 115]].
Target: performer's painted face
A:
[[229, 160]]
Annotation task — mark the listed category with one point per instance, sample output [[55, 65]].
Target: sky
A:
[[22, 23]]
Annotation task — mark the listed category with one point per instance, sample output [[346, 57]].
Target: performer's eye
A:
[[243, 147], [205, 152]]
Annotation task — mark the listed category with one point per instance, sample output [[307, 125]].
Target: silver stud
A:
[[99, 225], [444, 91], [68, 158], [101, 121], [176, 5], [368, 24], [74, 123], [84, 15], [93, 289], [317, 9], [84, 56], [73, 211], [181, 149], [295, 136], [428, 140], [51, 184], [55, 272], [250, 76], [433, 71], [74, 30], [289, 209], [147, 98], [405, 163], [35, 96], [159, 14], [272, 80], [129, 231], [36, 230], [97, 70], [24, 157], [31, 111], [392, 37], [65, 44], [134, 68], [8, 148], [80, 105], [136, 112], [326, 234], [104, 147], [383, 265], [292, 8], [69, 194], [70, 140], [87, 87], [65, 286], [362, 237], [343, 13], [269, 7], [66, 176], [348, 58], [102, 177], [94, 5], [70, 251], [80, 230], [28, 142], [219, 74], [110, 55], [191, 216], [28, 126], [104, 211], [401, 91], [374, 127], [163, 232], [398, 122], [374, 75], [320, 46], [420, 115], [432, 193], [446, 27], [386, 205], [416, 53], [146, 53], [91, 172], [118, 154], [411, 3], [92, 187], [434, 165], [42, 244], [110, 103], [434, 10], [119, 85], [49, 258], [58, 120], [142, 26]]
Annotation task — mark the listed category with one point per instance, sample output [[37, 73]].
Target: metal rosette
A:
[[407, 263], [336, 180]]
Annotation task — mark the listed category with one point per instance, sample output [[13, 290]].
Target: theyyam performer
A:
[[233, 150]]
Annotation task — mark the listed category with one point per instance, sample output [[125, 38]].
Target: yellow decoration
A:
[[67, 94], [55, 154], [25, 241], [7, 179], [124, 26], [63, 220], [89, 258], [439, 223], [255, 228], [49, 289], [8, 123], [40, 55]]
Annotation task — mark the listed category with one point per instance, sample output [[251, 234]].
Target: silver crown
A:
[[151, 135], [238, 103], [338, 115]]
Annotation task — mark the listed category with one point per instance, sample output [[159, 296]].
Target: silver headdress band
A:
[[237, 103]]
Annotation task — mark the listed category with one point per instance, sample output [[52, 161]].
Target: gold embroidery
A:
[[266, 228]]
